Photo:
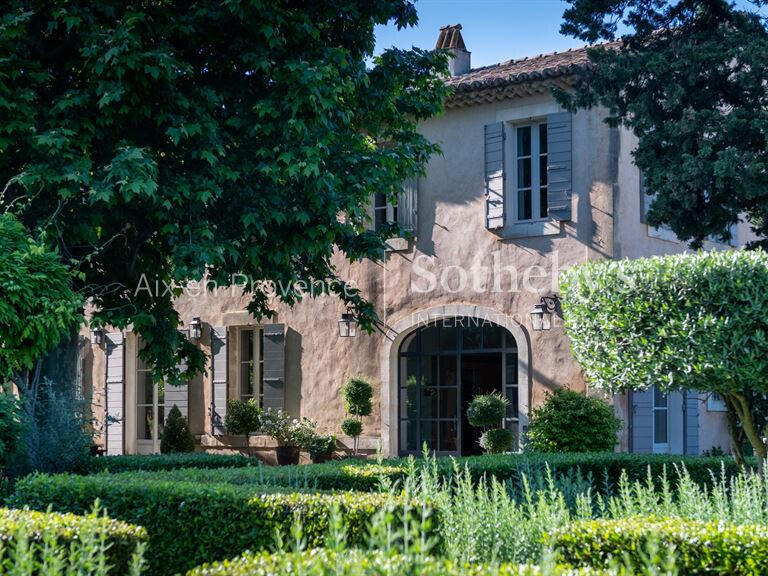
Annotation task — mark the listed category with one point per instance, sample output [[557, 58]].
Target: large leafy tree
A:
[[156, 142], [689, 78]]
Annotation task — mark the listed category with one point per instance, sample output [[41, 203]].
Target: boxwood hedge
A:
[[191, 522], [605, 470], [700, 547], [173, 461], [357, 563], [121, 538]]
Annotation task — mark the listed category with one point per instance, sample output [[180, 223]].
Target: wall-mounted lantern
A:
[[541, 313], [347, 325], [97, 336], [196, 328]]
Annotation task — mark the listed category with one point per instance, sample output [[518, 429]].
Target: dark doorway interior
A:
[[480, 374]]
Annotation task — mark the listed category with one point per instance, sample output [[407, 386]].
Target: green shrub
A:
[[12, 426], [569, 421], [365, 563], [153, 462], [487, 410], [243, 417], [321, 447], [358, 395], [69, 531], [176, 435], [701, 547], [497, 440], [352, 427], [219, 520]]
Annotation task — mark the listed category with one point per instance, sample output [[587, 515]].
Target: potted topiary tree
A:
[[176, 436], [487, 412], [321, 448], [243, 418], [285, 431], [358, 403]]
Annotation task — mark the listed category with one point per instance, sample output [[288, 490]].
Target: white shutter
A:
[[115, 388], [495, 212], [219, 379]]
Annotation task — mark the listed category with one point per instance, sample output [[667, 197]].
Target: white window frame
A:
[[148, 445], [389, 208], [659, 447], [257, 363], [716, 403]]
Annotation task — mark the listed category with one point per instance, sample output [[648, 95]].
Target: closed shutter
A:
[[115, 386], [494, 176], [642, 421], [692, 402], [559, 165], [273, 353], [218, 379], [178, 395], [407, 205]]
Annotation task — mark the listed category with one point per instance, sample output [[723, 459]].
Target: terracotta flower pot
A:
[[287, 455]]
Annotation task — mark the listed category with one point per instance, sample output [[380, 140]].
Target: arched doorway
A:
[[441, 367]]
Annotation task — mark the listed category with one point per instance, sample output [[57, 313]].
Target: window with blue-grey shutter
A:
[[218, 379], [559, 165], [273, 353], [178, 395], [114, 410], [642, 421], [407, 205], [495, 211]]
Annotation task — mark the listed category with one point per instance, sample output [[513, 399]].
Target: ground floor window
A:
[[251, 364], [150, 408], [660, 421], [442, 366]]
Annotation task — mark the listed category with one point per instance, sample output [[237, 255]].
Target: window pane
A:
[[513, 400], [524, 205], [524, 173], [472, 336], [161, 392], [144, 392], [659, 399], [430, 339], [429, 434], [380, 218], [448, 435], [543, 203], [380, 200], [524, 141], [511, 368], [448, 403], [429, 402], [448, 337], [144, 423], [660, 426], [491, 336], [246, 345], [247, 379], [428, 371], [543, 170], [447, 371], [408, 440], [160, 421], [542, 138]]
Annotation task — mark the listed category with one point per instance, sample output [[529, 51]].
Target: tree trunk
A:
[[741, 407], [735, 436]]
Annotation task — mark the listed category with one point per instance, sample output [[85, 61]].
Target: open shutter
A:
[[219, 379], [692, 402], [559, 165], [642, 421], [273, 353], [407, 205], [115, 385], [494, 176], [178, 395]]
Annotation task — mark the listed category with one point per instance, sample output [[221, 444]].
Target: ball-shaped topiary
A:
[[487, 410], [243, 417], [176, 436], [352, 427], [358, 396], [570, 421], [497, 440]]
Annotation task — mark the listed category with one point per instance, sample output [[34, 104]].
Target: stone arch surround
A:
[[399, 329]]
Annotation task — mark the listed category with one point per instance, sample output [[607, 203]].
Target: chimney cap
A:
[[450, 37]]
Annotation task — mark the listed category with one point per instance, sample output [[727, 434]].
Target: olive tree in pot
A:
[[243, 418], [288, 432], [487, 412], [358, 403]]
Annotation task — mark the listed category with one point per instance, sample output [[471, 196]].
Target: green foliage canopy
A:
[[38, 305], [487, 410], [685, 322], [156, 143], [358, 396], [688, 78], [570, 421]]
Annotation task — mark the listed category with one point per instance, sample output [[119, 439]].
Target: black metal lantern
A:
[[97, 336], [196, 328], [541, 313], [347, 325]]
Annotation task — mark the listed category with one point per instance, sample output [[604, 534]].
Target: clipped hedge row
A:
[[700, 547], [190, 523], [357, 563], [365, 476], [121, 538], [152, 462]]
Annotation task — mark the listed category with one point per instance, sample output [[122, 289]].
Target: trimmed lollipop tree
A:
[[487, 412], [358, 402], [694, 322]]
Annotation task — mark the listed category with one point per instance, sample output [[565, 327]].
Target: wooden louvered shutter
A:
[[115, 390], [273, 353], [495, 211], [559, 165], [218, 379]]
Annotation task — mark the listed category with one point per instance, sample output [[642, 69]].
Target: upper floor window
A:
[[384, 212], [531, 172], [251, 364]]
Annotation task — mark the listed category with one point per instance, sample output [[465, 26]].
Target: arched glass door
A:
[[442, 366]]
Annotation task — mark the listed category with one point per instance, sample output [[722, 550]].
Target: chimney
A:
[[450, 39]]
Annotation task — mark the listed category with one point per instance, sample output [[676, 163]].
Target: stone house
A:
[[523, 190]]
